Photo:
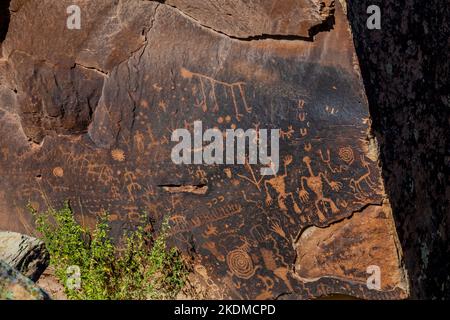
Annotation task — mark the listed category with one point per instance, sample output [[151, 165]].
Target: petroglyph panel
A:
[[116, 156]]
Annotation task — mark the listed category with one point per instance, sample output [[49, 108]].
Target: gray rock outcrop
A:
[[26, 254]]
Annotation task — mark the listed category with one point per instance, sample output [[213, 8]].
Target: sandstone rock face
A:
[[248, 19], [26, 254], [87, 116], [343, 249], [71, 71]]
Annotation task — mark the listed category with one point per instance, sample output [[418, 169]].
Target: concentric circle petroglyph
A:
[[346, 154], [240, 264]]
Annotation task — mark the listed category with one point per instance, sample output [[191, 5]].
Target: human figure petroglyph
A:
[[132, 185], [213, 83], [315, 184], [153, 140], [278, 183], [139, 142]]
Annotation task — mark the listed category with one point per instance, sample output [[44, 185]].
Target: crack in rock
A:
[[256, 22], [345, 248]]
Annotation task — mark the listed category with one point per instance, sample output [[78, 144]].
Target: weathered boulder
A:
[[26, 254], [87, 116], [15, 286]]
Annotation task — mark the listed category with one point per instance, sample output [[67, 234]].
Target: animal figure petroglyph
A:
[[356, 185], [315, 184], [236, 91]]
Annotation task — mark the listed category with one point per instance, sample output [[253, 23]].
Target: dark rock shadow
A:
[[4, 19], [406, 72]]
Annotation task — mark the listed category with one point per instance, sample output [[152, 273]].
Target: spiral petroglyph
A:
[[240, 264], [346, 154]]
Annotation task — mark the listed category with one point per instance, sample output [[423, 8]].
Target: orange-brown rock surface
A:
[[87, 115], [343, 249], [259, 18]]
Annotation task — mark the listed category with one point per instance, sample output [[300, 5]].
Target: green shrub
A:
[[141, 268]]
